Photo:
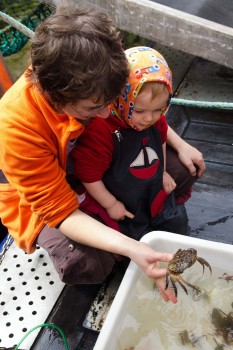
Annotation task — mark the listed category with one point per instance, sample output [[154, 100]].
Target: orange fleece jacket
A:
[[33, 142]]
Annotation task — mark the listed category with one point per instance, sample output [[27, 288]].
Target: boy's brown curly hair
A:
[[78, 54]]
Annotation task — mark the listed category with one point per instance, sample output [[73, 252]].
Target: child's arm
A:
[[188, 154], [168, 183], [115, 209], [84, 229]]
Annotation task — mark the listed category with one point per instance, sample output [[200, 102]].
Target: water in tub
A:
[[152, 324]]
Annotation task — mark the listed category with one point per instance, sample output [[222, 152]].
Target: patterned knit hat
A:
[[146, 65]]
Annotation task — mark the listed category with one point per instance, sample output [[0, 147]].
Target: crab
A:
[[223, 324], [189, 338], [226, 277], [183, 259]]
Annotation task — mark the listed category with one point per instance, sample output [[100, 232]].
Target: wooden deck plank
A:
[[215, 153], [210, 133], [207, 81], [219, 175], [170, 27], [210, 212], [217, 117], [211, 10]]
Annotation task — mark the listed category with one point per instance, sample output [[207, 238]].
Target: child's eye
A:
[[138, 111]]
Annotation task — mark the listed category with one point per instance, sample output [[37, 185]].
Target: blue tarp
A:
[[4, 246]]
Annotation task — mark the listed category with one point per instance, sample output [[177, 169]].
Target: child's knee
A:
[[74, 262], [84, 265]]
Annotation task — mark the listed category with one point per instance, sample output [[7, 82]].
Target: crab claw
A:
[[204, 263], [173, 282]]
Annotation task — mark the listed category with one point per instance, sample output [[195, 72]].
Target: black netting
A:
[[28, 12]]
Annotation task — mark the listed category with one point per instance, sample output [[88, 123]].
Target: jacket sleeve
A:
[[29, 157], [162, 126], [93, 152]]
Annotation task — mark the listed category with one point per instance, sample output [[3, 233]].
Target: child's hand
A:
[[168, 183], [190, 156], [119, 212]]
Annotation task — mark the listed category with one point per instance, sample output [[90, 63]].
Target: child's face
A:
[[87, 109], [148, 109]]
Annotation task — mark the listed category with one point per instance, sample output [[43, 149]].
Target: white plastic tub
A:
[[138, 312]]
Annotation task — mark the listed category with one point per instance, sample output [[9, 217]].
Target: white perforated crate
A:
[[29, 289]]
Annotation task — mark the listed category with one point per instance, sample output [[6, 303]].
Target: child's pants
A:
[[181, 175]]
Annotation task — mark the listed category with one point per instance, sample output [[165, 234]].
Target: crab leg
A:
[[167, 282], [189, 284], [184, 288], [173, 282], [204, 263], [174, 286]]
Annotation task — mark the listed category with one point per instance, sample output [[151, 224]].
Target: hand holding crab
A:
[[182, 260]]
